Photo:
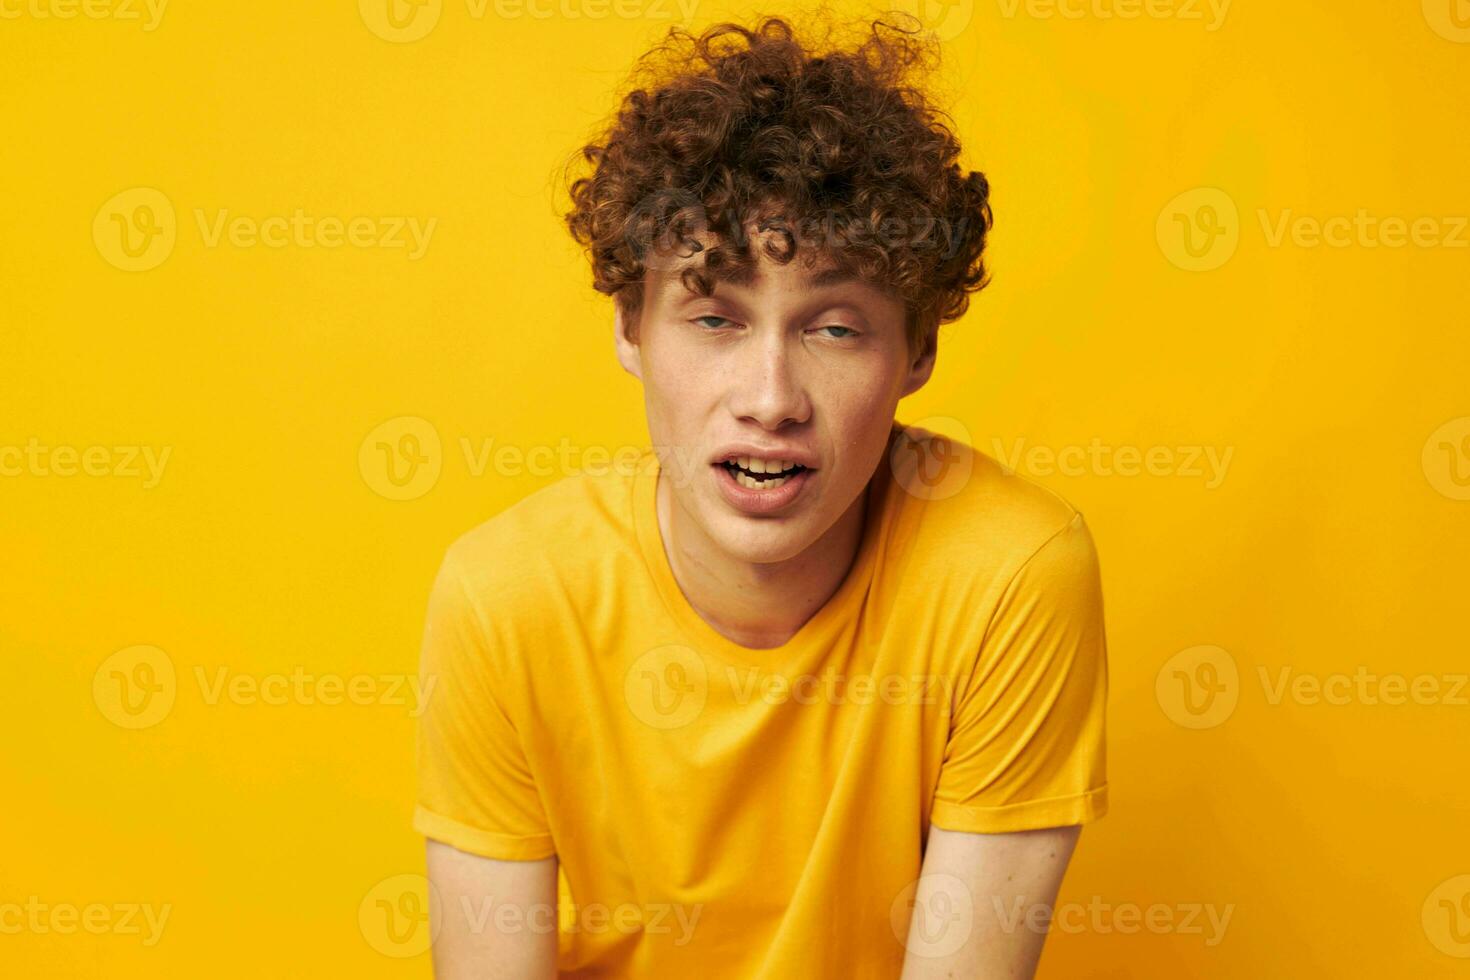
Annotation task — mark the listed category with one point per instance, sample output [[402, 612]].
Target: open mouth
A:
[[761, 474]]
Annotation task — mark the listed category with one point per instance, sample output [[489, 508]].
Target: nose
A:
[[768, 389]]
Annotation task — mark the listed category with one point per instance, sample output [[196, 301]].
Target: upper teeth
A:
[[763, 465]]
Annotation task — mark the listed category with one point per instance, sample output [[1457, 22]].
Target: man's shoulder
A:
[[562, 530], [975, 513]]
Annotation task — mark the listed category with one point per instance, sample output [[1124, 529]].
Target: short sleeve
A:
[[475, 789], [1027, 745]]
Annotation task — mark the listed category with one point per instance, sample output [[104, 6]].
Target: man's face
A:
[[789, 367]]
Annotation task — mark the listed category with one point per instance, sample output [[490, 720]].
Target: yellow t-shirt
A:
[[723, 812]]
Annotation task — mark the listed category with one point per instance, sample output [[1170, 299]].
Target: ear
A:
[[923, 365], [629, 354]]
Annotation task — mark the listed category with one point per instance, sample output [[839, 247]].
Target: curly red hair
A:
[[738, 125]]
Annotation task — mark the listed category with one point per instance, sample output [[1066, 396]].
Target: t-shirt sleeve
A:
[[1027, 745], [475, 788]]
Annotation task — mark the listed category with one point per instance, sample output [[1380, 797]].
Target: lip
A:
[[758, 502]]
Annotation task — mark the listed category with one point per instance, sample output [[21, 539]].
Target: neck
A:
[[757, 604]]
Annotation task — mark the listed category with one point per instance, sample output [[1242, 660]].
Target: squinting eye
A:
[[833, 326], [711, 316]]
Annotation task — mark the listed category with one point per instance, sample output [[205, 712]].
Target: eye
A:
[[850, 332], [710, 316]]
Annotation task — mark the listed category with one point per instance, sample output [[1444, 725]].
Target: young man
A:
[[805, 693]]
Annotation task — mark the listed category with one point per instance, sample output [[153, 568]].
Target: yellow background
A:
[[1335, 541]]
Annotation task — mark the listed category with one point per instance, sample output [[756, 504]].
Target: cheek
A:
[[674, 378], [859, 404], [674, 386]]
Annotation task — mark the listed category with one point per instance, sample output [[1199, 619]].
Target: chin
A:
[[759, 541]]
